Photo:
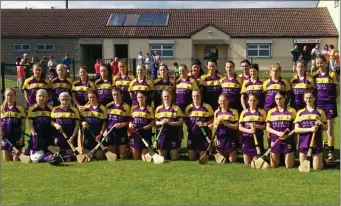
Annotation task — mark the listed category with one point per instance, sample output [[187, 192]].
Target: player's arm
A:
[[230, 125], [300, 130], [245, 130], [242, 100], [272, 131]]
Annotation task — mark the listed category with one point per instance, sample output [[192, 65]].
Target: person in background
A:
[[147, 63], [52, 74], [52, 63], [67, 62], [331, 55], [114, 66], [337, 62], [44, 62], [26, 59], [97, 67], [176, 70], [305, 55], [140, 58], [314, 52], [245, 75], [295, 55], [155, 67], [20, 72]]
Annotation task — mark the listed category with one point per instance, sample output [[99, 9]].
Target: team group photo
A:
[[143, 125]]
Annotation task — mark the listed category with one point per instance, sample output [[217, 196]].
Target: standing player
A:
[[328, 91], [34, 83], [196, 73], [142, 123], [252, 121], [170, 117], [39, 116], [65, 118], [310, 120], [161, 83], [226, 121], [12, 125], [245, 65], [198, 115], [274, 84], [60, 84], [278, 120], [184, 87], [93, 116], [299, 83], [103, 85], [118, 115], [123, 79], [212, 84], [254, 86], [143, 84], [231, 86], [81, 87]]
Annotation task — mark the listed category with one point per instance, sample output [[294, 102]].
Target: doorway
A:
[[91, 52], [121, 51]]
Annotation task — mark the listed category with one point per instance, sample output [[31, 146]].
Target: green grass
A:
[[182, 182], [10, 83]]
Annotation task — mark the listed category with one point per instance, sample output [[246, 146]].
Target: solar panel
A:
[[116, 19], [160, 20], [145, 20], [131, 19]]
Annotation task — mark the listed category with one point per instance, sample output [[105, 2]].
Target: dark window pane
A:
[[116, 19], [264, 53], [26, 47], [49, 46], [167, 47], [40, 47], [167, 53], [252, 46], [252, 53], [155, 47], [16, 47], [160, 20], [145, 20], [264, 46], [131, 19]]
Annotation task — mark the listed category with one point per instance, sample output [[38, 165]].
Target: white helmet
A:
[[37, 156]]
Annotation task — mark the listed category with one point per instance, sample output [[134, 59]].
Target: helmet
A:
[[55, 159], [37, 155]]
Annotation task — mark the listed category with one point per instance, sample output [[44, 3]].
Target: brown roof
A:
[[258, 22]]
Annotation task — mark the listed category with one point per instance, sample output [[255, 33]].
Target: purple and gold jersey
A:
[[193, 114], [326, 87], [231, 88], [230, 116], [94, 116], [81, 90], [142, 117], [104, 91], [31, 86], [212, 89], [146, 85], [270, 89], [59, 86], [247, 117], [198, 79], [244, 78], [11, 120], [184, 88], [41, 118], [307, 119], [123, 83], [255, 88], [298, 87], [160, 85], [65, 117], [118, 114], [280, 121], [173, 113]]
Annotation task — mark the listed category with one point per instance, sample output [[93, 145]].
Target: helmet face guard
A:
[[55, 159]]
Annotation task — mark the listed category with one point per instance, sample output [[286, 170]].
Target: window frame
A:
[[258, 49], [22, 48], [162, 49], [45, 45]]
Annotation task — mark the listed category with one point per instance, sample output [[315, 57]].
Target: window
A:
[[336, 3], [44, 47], [21, 47], [258, 50], [163, 50], [138, 20]]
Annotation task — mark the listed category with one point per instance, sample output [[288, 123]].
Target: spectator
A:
[[20, 72], [331, 55], [67, 62], [44, 62], [114, 66], [305, 55], [140, 58], [97, 67], [155, 68], [314, 52], [52, 63], [147, 64], [157, 57], [295, 55], [26, 59], [176, 70]]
